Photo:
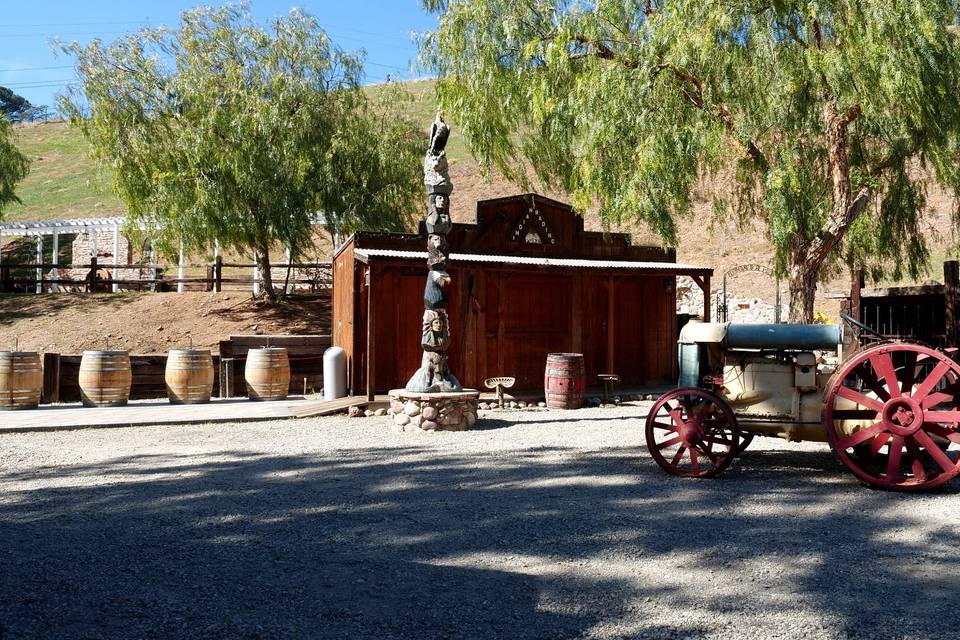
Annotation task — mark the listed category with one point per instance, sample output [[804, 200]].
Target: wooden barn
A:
[[527, 281]]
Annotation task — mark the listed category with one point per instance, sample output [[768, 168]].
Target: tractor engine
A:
[[772, 375]]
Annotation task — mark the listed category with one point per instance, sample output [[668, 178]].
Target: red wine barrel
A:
[[564, 380], [21, 380]]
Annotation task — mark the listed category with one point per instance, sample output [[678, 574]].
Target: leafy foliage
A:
[[225, 130], [824, 118], [13, 165]]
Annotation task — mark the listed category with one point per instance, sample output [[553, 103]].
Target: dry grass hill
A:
[[64, 183]]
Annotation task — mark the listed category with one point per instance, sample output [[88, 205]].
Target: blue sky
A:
[[29, 66]]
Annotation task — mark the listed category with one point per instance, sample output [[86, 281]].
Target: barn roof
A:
[[364, 254]]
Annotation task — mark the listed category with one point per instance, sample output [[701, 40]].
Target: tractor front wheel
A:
[[692, 432]]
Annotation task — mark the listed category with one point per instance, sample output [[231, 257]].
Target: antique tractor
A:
[[889, 410]]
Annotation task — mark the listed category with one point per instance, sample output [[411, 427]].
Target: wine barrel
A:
[[189, 376], [105, 378], [564, 380], [267, 373], [21, 380]]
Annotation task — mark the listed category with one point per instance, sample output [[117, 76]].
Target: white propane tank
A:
[[334, 373]]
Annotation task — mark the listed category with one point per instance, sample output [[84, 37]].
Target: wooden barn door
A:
[[533, 319], [644, 329]]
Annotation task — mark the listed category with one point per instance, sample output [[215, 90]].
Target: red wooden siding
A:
[[505, 318]]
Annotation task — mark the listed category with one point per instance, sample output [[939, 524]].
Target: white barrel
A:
[[334, 373]]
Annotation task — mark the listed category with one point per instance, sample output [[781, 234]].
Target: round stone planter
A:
[[448, 411]]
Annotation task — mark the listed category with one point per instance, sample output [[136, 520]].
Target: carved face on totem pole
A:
[[436, 335], [437, 251], [438, 215]]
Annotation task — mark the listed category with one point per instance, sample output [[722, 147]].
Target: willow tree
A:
[[13, 165], [225, 130], [826, 119]]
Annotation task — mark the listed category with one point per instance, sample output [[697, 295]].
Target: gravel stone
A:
[[535, 524]]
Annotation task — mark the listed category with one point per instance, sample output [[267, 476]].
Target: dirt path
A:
[[542, 525]]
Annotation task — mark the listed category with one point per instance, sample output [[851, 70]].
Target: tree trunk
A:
[[803, 290], [266, 277]]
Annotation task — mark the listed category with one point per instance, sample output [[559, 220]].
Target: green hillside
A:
[[65, 183]]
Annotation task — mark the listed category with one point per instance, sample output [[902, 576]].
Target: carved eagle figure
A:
[[439, 133]]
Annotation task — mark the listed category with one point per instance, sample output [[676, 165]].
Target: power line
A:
[[14, 85], [71, 24], [65, 66]]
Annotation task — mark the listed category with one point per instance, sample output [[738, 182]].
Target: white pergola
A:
[[91, 226], [54, 228]]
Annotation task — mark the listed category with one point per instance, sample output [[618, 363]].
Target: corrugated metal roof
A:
[[535, 260]]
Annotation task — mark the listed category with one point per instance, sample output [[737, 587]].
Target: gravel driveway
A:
[[541, 525]]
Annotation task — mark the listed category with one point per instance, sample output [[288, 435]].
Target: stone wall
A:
[[747, 310], [82, 252]]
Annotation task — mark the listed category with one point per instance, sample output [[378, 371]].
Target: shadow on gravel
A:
[[410, 543]]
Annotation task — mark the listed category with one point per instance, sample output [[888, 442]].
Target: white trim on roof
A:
[[534, 260]]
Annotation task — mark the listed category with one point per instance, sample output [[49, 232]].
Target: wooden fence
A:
[[218, 276], [61, 371]]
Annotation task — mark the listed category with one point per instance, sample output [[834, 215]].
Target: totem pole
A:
[[434, 374]]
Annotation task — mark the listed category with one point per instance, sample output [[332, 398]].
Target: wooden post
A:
[[55, 286], [218, 275], [92, 276], [951, 288], [39, 287], [51, 378], [115, 274], [217, 267], [371, 361], [226, 377], [856, 284], [611, 315], [576, 323], [180, 269], [706, 298]]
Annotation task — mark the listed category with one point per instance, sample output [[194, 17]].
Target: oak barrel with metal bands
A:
[[267, 373], [564, 380], [21, 380], [189, 376], [105, 378]]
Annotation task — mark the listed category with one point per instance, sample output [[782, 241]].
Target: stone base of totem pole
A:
[[448, 411]]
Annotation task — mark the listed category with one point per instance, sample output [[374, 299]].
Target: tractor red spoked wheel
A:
[[692, 432], [893, 419]]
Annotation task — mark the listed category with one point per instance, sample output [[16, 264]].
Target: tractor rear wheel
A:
[[892, 416], [692, 432]]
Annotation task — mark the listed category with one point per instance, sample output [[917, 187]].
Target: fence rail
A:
[[42, 277]]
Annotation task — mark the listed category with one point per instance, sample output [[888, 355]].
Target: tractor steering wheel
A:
[[861, 326]]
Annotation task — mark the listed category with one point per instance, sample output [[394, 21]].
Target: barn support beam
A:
[[371, 342], [704, 283], [611, 323]]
